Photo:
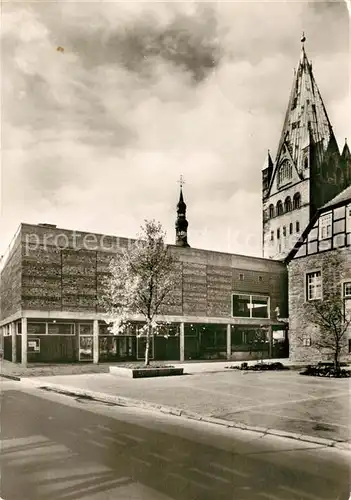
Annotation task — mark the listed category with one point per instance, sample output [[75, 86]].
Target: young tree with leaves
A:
[[328, 313], [141, 281]]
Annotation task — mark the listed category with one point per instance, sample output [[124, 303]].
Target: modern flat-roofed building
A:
[[52, 278]]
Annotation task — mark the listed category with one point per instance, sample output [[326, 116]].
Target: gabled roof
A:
[[344, 196], [341, 199]]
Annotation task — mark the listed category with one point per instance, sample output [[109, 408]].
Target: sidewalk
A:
[[311, 408], [15, 370]]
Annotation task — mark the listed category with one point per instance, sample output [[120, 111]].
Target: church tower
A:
[[181, 224], [308, 170]]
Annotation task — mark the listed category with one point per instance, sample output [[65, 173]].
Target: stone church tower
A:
[[308, 170]]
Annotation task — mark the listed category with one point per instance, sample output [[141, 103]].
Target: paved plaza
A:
[[276, 400]]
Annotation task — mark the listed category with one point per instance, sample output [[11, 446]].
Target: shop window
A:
[[241, 277], [190, 330], [36, 328], [236, 336], [61, 328], [85, 329], [314, 285], [104, 329]]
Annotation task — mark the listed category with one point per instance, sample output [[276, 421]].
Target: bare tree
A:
[[328, 313], [141, 281]]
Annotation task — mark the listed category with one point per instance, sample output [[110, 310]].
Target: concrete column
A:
[[95, 341], [13, 334], [181, 342], [24, 342], [270, 341], [229, 342]]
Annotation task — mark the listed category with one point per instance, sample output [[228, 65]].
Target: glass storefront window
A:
[[60, 328], [85, 348], [36, 328], [104, 329], [85, 329]]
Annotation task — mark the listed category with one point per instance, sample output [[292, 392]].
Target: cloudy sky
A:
[[95, 137]]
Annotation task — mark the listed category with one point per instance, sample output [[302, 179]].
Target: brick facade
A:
[[48, 278], [10, 281]]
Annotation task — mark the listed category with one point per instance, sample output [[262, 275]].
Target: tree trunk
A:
[[336, 361], [147, 346]]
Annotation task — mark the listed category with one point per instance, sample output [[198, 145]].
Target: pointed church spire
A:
[[306, 119], [268, 162], [181, 224], [346, 155]]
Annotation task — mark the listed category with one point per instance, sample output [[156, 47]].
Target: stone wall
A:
[[298, 323]]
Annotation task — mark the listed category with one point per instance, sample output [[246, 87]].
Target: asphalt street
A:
[[55, 447]]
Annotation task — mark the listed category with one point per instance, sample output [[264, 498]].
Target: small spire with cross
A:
[[181, 181]]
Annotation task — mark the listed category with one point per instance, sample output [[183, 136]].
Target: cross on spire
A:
[[181, 181]]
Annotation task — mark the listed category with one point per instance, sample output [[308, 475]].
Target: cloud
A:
[[95, 137]]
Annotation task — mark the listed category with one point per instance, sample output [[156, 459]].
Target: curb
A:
[[145, 405], [10, 377]]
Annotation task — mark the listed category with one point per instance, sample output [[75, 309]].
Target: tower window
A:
[[297, 226], [271, 211], [297, 201], [288, 205], [272, 235], [278, 233], [305, 164], [279, 208], [285, 172], [291, 228], [284, 231]]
